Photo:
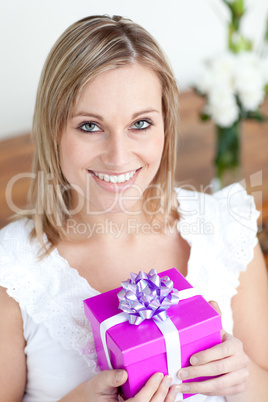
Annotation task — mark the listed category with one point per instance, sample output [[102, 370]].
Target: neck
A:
[[117, 225]]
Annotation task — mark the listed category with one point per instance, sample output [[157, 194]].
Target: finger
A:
[[162, 390], [215, 306], [218, 310], [106, 382], [229, 347], [214, 368], [172, 394], [150, 388], [217, 386]]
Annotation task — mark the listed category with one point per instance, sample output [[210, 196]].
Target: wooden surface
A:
[[15, 160], [195, 160]]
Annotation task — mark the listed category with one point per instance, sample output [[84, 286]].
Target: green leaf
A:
[[266, 33], [204, 117], [239, 8], [196, 90], [256, 115]]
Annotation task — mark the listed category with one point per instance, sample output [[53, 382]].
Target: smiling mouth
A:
[[120, 178]]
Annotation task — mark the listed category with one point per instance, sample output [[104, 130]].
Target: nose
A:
[[116, 153]]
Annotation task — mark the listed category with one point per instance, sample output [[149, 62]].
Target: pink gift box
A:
[[141, 350]]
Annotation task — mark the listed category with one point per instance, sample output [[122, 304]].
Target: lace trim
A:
[[39, 290], [240, 234], [225, 224]]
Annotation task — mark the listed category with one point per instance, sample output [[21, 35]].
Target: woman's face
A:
[[112, 145]]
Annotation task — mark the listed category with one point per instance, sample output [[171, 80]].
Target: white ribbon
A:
[[107, 324], [170, 334], [173, 350]]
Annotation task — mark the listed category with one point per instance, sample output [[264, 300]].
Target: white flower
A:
[[231, 81], [249, 80], [222, 106], [219, 70], [264, 67], [251, 100], [223, 66]]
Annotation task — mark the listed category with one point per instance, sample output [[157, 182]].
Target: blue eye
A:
[[89, 127], [141, 125]]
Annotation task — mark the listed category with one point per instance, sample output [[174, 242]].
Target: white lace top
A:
[[221, 230]]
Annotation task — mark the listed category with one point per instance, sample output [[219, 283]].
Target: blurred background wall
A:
[[190, 31]]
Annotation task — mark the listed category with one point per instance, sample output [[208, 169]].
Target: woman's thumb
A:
[[109, 379], [215, 306], [120, 377]]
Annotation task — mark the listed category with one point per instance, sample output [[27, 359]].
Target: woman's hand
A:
[[104, 388], [227, 361]]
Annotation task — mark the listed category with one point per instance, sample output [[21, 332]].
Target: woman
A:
[[103, 205]]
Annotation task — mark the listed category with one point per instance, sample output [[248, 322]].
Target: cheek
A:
[[73, 151], [66, 156], [155, 150], [71, 157]]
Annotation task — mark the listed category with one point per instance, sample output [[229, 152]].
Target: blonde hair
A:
[[87, 48]]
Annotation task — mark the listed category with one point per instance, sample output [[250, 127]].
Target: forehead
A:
[[122, 88]]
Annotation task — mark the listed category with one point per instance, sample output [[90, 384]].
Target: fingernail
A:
[[194, 360], [167, 380], [184, 387], [176, 390], [158, 377], [183, 374], [119, 376]]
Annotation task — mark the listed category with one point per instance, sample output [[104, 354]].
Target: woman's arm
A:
[[102, 387], [240, 362], [12, 357], [250, 312]]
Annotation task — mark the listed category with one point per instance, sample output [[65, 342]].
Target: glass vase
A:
[[227, 156]]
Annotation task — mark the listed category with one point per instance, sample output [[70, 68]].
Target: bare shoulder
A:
[[8, 306], [250, 309], [12, 343]]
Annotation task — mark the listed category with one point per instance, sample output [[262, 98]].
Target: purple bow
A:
[[147, 296]]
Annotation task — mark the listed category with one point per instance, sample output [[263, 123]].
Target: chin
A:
[[108, 209]]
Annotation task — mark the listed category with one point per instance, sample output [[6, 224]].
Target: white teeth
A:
[[113, 179], [121, 178]]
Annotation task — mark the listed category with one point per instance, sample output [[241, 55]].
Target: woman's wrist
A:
[[77, 394], [256, 387]]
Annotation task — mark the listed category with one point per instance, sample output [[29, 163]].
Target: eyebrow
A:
[[97, 116]]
